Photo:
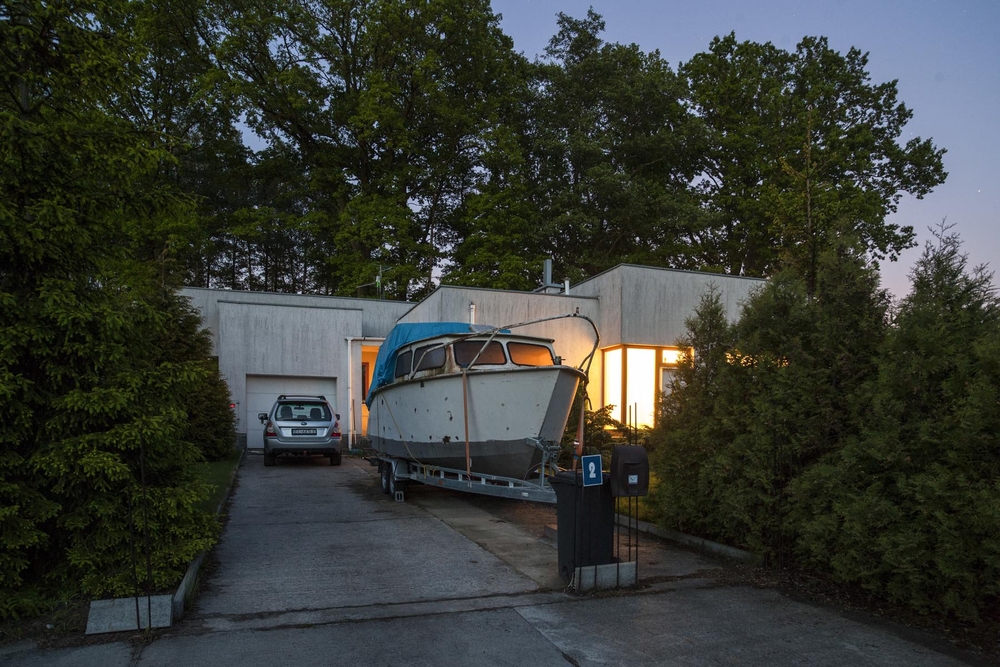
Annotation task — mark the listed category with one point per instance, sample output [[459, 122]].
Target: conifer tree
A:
[[91, 381], [910, 507]]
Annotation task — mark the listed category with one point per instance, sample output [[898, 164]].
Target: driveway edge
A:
[[186, 587]]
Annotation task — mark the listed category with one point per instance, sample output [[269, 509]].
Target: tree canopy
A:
[[803, 148], [409, 140]]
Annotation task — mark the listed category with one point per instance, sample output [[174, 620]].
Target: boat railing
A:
[[584, 365]]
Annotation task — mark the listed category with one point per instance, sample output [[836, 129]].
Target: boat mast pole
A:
[[465, 409]]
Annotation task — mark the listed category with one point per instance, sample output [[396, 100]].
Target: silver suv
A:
[[301, 425]]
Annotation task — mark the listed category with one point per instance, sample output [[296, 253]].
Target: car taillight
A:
[[270, 429]]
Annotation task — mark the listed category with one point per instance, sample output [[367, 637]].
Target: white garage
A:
[[270, 344], [262, 390]]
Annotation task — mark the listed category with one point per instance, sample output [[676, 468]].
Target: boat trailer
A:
[[395, 473]]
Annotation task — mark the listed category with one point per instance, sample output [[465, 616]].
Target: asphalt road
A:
[[316, 567]]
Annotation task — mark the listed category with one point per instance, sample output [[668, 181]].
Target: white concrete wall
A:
[[641, 305], [263, 333], [378, 317], [282, 340]]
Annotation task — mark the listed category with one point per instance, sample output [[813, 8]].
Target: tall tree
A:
[[803, 148], [613, 150], [88, 383], [386, 105]]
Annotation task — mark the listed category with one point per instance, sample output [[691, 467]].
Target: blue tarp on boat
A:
[[404, 334]]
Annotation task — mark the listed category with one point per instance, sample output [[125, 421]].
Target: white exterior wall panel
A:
[[284, 340], [376, 317], [608, 288], [642, 305], [655, 303]]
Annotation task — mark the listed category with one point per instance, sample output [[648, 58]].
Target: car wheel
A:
[[335, 459], [268, 459], [386, 477]]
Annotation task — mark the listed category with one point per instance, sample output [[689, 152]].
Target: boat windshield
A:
[[429, 357], [530, 354], [403, 362], [466, 351]]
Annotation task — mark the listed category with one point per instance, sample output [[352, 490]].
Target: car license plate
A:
[[303, 431]]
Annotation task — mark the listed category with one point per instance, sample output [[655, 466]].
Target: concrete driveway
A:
[[316, 567]]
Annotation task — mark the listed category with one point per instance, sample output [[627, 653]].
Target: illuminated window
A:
[[671, 357], [634, 379], [613, 382], [640, 386], [529, 354]]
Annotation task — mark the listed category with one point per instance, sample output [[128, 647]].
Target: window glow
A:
[[613, 382], [640, 387], [528, 354], [671, 357]]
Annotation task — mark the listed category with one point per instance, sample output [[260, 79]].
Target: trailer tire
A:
[[386, 476]]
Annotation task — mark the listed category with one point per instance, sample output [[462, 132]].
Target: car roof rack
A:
[[284, 396]]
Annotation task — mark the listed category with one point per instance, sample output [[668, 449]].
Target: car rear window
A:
[[530, 354], [303, 412], [466, 351]]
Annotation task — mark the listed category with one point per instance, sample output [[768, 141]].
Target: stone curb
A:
[[186, 587], [690, 540]]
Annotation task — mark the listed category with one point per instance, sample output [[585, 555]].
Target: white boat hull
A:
[[424, 419]]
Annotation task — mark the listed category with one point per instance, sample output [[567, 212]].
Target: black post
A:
[[145, 518], [135, 575]]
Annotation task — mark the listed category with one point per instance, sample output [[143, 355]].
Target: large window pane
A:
[[640, 391], [613, 382]]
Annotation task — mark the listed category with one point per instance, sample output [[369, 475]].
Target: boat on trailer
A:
[[449, 397]]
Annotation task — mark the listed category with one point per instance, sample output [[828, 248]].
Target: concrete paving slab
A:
[[524, 552], [300, 537], [604, 577], [719, 626], [118, 654], [125, 614], [501, 638], [402, 610]]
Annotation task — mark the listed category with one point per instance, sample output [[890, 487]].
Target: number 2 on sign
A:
[[592, 468]]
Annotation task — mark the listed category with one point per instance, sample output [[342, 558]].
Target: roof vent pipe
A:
[[566, 287], [547, 273]]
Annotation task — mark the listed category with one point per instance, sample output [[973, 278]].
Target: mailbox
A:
[[629, 471]]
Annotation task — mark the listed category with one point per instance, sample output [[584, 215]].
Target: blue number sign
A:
[[592, 475]]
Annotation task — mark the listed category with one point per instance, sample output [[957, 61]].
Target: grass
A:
[[216, 474]]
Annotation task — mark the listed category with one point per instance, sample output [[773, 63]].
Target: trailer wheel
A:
[[386, 476]]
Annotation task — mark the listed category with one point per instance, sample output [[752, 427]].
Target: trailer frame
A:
[[395, 473]]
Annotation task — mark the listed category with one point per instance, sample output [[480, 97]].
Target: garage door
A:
[[262, 390]]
